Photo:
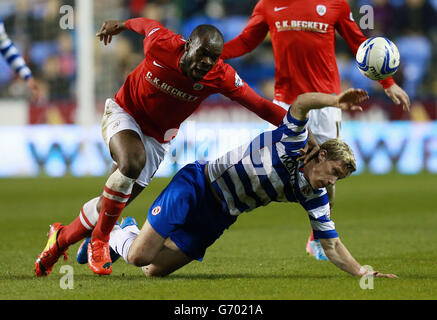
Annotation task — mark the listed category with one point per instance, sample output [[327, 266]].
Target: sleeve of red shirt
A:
[[143, 26], [353, 36], [236, 89], [254, 33]]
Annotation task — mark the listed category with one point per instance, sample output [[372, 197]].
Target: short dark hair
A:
[[207, 30]]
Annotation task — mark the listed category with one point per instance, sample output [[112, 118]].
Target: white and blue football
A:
[[378, 58]]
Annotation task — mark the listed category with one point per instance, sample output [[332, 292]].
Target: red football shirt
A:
[[303, 40], [160, 97]]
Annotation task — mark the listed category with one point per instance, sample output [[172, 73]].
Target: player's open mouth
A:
[[200, 72]]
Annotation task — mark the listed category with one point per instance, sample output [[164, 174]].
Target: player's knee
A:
[[132, 164], [138, 259]]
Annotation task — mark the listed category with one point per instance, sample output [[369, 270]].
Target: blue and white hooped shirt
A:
[[266, 170]]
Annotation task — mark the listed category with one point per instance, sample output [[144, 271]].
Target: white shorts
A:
[[324, 123], [114, 120]]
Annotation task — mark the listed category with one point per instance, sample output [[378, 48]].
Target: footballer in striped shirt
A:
[[16, 61], [205, 198]]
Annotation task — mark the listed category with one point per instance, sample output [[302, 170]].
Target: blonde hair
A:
[[339, 150]]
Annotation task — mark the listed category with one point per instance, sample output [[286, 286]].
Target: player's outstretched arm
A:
[[110, 28], [340, 256], [143, 26], [353, 36], [347, 100], [262, 107], [252, 35]]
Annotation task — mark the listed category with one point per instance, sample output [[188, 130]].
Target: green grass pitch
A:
[[388, 222]]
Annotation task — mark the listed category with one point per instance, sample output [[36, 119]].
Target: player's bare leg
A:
[[148, 249], [82, 226], [128, 152], [168, 260], [145, 247], [79, 229]]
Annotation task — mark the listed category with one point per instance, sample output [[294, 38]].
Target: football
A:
[[378, 58]]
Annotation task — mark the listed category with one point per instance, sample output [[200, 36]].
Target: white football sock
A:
[[120, 239], [89, 214]]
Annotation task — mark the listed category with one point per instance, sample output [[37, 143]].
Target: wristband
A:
[[387, 83]]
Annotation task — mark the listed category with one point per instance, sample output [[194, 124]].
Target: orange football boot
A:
[[99, 258], [51, 253]]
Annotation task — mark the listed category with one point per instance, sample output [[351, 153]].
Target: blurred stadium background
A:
[[60, 134]]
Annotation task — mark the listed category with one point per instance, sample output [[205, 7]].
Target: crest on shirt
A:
[[198, 86], [321, 9], [156, 210], [238, 81]]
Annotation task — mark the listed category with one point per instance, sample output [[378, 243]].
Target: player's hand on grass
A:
[[110, 28], [385, 275], [350, 99], [380, 275], [398, 96]]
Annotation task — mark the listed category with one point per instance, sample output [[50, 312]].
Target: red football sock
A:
[[117, 192], [72, 233], [109, 213], [312, 236], [81, 227]]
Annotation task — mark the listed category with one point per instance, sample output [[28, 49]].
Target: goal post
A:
[[85, 112]]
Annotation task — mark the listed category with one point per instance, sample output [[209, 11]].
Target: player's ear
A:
[[187, 45], [322, 155]]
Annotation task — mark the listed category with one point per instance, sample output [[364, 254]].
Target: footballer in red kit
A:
[[303, 41], [160, 97], [175, 76]]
